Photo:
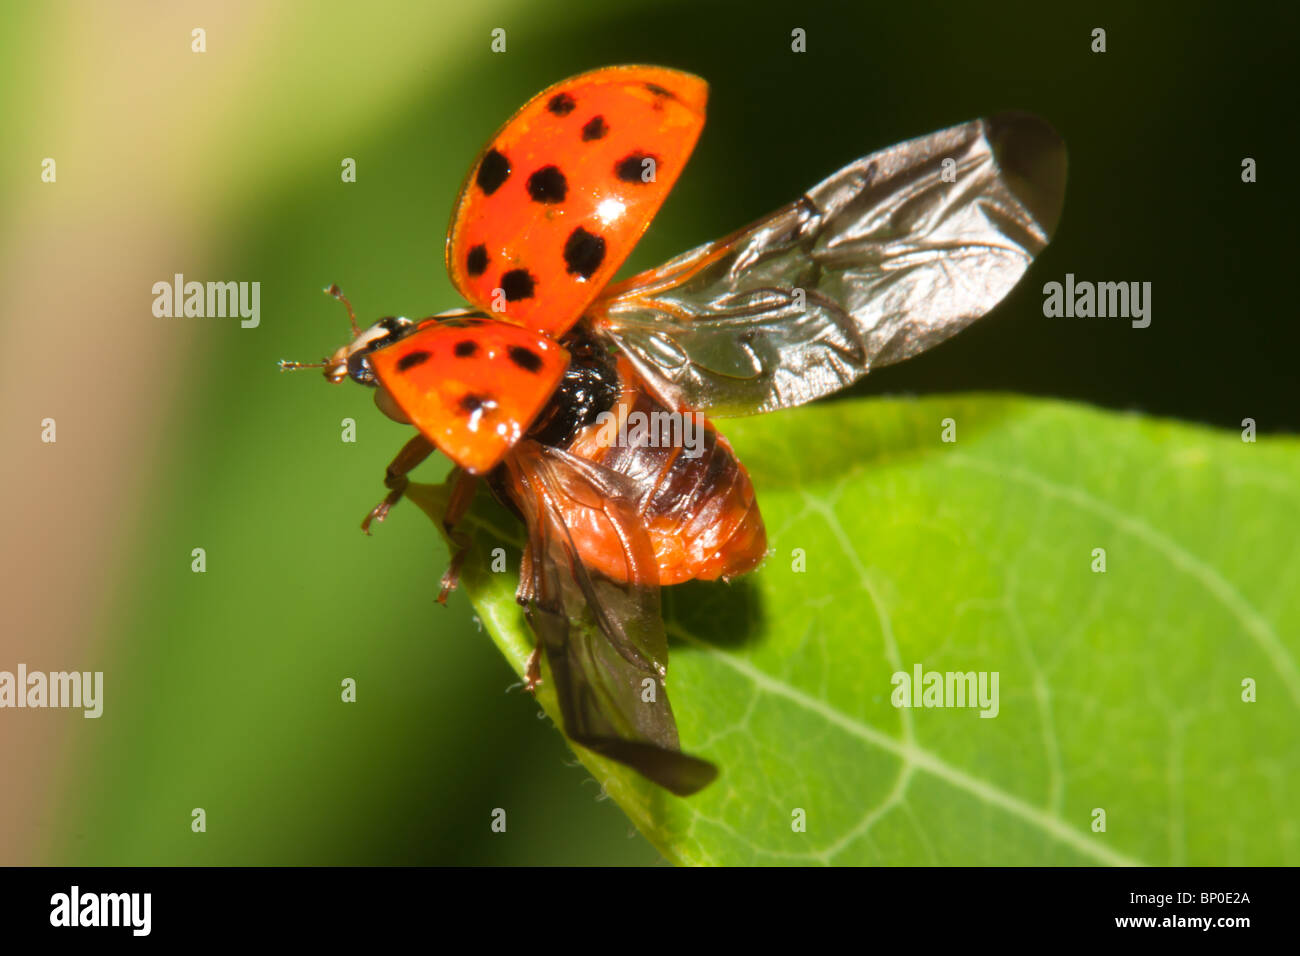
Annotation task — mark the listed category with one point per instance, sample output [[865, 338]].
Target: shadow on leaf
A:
[[719, 613]]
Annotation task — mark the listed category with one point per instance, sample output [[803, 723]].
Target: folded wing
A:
[[603, 636]]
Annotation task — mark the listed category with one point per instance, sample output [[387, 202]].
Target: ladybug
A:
[[581, 403]]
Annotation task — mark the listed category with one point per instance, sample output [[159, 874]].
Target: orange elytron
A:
[[582, 405], [565, 189]]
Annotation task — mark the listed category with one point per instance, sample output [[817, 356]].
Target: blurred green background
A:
[[223, 687]]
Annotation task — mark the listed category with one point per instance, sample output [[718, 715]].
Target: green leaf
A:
[[1119, 691]]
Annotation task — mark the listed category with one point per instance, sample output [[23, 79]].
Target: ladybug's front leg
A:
[[462, 494], [412, 453]]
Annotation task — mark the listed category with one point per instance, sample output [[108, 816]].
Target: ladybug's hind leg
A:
[[412, 453], [462, 494], [525, 594], [533, 670]]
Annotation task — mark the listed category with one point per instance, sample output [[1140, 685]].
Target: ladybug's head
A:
[[350, 360]]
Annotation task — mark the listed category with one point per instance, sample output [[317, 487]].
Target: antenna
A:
[[352, 316]]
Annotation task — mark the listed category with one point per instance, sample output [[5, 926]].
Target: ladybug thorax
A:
[[590, 386]]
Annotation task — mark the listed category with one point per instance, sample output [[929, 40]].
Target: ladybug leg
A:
[[525, 594], [462, 493], [412, 453], [533, 670]]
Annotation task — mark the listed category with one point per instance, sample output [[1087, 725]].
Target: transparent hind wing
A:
[[886, 258]]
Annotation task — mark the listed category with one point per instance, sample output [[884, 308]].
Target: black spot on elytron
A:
[[548, 185], [583, 253], [525, 358], [470, 403], [492, 172], [465, 348], [411, 359], [477, 260], [518, 284], [658, 90], [595, 128], [561, 104], [630, 167]]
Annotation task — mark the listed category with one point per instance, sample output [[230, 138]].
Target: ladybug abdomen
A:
[[694, 495]]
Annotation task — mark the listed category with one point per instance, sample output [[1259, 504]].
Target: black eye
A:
[[360, 370]]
